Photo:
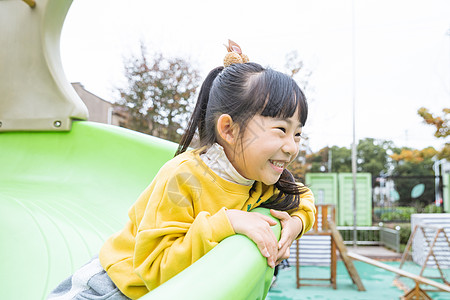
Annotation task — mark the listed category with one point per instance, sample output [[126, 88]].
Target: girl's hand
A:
[[256, 226], [290, 229]]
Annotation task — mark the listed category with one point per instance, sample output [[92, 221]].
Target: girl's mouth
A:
[[277, 165]]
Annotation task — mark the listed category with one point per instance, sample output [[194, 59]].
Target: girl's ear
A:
[[227, 129]]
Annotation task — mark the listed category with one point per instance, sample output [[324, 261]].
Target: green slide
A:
[[63, 193], [66, 185]]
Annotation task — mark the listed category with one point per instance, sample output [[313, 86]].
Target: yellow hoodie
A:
[[177, 220]]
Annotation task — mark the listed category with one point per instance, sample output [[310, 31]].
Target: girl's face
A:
[[267, 147]]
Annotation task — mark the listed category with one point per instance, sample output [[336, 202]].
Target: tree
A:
[[414, 156], [372, 156], [159, 94], [319, 161], [299, 167], [441, 123], [294, 67], [341, 159]]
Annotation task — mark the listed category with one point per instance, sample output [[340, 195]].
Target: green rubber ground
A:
[[63, 193]]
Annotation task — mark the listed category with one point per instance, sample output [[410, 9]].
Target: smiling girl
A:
[[249, 122]]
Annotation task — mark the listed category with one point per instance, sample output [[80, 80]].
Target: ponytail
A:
[[197, 119], [289, 196]]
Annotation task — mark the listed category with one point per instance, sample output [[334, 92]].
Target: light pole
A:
[[354, 124]]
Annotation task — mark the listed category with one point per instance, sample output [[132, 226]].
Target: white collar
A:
[[216, 159]]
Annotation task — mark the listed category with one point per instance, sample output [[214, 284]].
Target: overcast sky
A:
[[398, 60]]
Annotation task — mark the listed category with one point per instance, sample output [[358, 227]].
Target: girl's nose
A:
[[290, 146]]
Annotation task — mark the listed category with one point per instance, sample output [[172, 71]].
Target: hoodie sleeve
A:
[[306, 210]]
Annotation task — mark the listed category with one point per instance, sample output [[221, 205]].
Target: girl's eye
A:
[[282, 129]]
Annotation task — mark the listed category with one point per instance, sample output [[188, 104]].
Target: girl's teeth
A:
[[278, 164]]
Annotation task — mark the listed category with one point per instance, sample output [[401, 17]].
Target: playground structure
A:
[[336, 189], [66, 184], [416, 292], [431, 242], [325, 226], [64, 193], [430, 239]]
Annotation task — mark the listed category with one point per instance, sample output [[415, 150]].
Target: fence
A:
[[396, 198], [390, 238], [371, 236]]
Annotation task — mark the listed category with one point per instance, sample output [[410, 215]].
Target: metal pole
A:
[[329, 160], [354, 193], [354, 125]]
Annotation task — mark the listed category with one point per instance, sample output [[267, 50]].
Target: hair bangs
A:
[[283, 97]]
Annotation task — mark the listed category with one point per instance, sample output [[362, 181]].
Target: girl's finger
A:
[[271, 243], [282, 250], [260, 243], [268, 219], [270, 253], [266, 242], [281, 215], [283, 239], [284, 253]]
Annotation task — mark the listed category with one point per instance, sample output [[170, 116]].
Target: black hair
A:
[[242, 91]]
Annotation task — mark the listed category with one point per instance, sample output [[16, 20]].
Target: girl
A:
[[249, 120]]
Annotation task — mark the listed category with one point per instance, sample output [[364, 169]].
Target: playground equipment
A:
[[63, 193], [66, 185], [430, 235], [35, 94], [334, 188], [325, 226], [416, 292], [430, 239]]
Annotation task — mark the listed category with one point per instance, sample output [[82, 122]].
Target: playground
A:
[[66, 185], [378, 283]]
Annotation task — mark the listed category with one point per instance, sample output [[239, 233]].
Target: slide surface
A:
[[63, 193]]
